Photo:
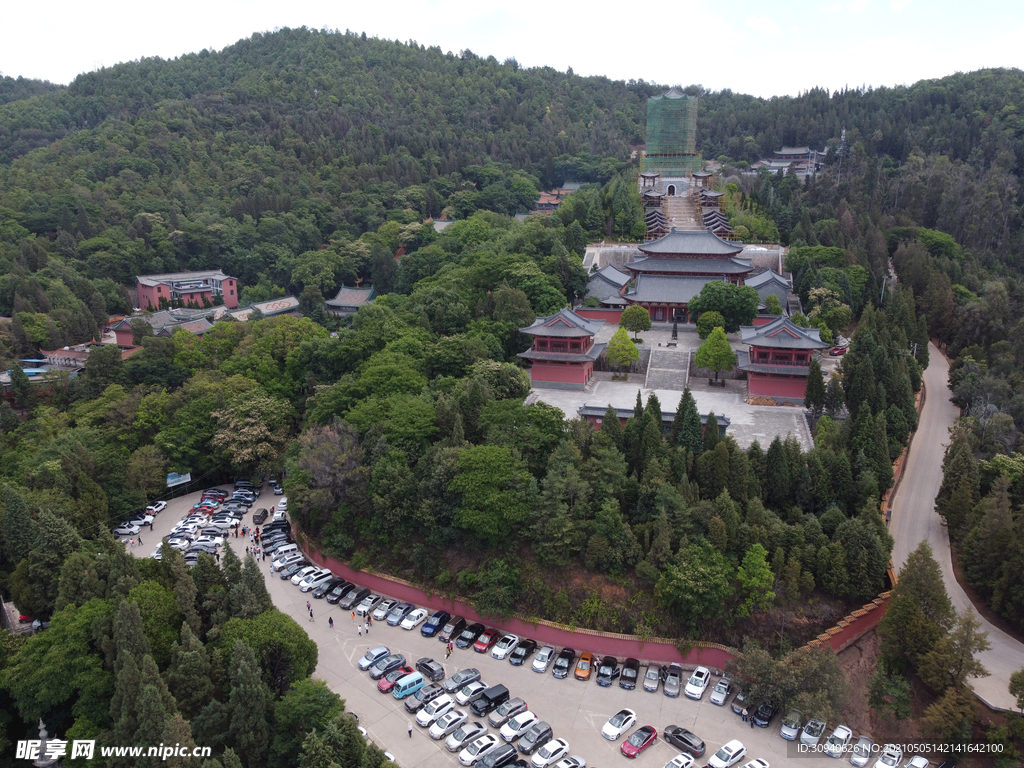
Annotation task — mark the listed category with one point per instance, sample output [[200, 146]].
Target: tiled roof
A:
[[692, 243], [173, 277], [782, 333], [743, 363], [765, 278], [563, 324], [670, 289], [579, 357], [627, 413], [352, 297], [690, 266], [613, 276]]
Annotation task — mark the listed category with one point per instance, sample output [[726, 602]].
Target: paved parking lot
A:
[[576, 710]]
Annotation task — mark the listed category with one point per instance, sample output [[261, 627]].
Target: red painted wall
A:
[[608, 315], [768, 386], [764, 320], [230, 290], [148, 297], [124, 337], [569, 374]]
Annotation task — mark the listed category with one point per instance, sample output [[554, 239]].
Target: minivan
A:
[[285, 549], [289, 559], [490, 700], [408, 685]]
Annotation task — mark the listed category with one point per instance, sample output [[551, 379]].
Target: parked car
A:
[[765, 713], [720, 693], [891, 757], [291, 569], [639, 740], [573, 761], [353, 596], [447, 723], [399, 612], [414, 618], [673, 680], [302, 573], [432, 670], [837, 351], [730, 754], [812, 732], [440, 706], [325, 589], [630, 673], [505, 711], [585, 666], [385, 665], [487, 638], [368, 604], [469, 635], [141, 520], [563, 663], [837, 743], [452, 629], [607, 670], [461, 679], [435, 623], [537, 736], [383, 608], [917, 762], [157, 506], [791, 723], [464, 734], [126, 529], [522, 652], [372, 656], [757, 762], [505, 646], [478, 748], [338, 591], [698, 683], [681, 761], [862, 751], [653, 677], [518, 725], [739, 702], [471, 692], [387, 683], [422, 697], [544, 658], [685, 740], [550, 753], [618, 724], [501, 756]]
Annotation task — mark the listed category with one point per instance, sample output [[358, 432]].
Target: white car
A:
[[543, 659], [157, 506], [550, 753], [287, 560], [575, 761], [178, 543], [414, 619], [384, 608], [812, 732], [698, 683], [862, 751], [838, 741], [224, 522], [918, 762], [471, 692], [141, 520], [465, 735], [447, 723], [891, 757], [757, 762], [210, 539], [312, 581], [157, 554], [436, 709], [728, 755], [618, 724], [680, 761], [479, 748], [505, 646], [303, 573], [518, 725], [126, 529]]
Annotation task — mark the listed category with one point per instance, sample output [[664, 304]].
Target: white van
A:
[[287, 549]]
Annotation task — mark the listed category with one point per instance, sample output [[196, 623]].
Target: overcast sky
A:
[[762, 47]]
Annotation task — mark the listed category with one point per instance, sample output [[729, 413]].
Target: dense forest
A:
[[303, 160]]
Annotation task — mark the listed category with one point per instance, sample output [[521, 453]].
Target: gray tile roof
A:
[[667, 289], [734, 266], [782, 333], [766, 277], [174, 277], [563, 324], [352, 297], [692, 243], [578, 357], [613, 276]]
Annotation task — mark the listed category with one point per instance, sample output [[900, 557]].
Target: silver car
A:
[[673, 680], [464, 734], [543, 659], [862, 751], [652, 678], [721, 692]]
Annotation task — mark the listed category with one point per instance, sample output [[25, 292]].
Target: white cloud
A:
[[899, 5], [763, 24], [857, 6]]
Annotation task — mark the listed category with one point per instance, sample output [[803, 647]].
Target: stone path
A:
[[667, 369]]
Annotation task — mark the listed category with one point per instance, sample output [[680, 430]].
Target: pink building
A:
[[563, 351], [778, 362], [193, 288]]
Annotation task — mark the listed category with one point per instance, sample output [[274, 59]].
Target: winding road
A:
[[914, 520]]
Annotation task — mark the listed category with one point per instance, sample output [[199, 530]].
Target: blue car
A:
[[435, 623]]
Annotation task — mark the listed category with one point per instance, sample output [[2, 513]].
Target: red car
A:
[[486, 640], [386, 683], [837, 351], [640, 740]]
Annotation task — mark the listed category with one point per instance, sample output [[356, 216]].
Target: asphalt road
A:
[[576, 710], [914, 520]]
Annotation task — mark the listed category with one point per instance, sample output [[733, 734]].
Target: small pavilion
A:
[[563, 352], [779, 359]]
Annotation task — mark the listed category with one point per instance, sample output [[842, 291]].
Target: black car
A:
[[607, 670], [563, 663], [630, 674], [499, 757], [259, 516], [385, 665], [469, 635], [535, 738], [522, 652], [327, 586], [688, 742], [765, 713], [435, 623], [452, 629], [424, 696], [338, 591], [210, 549], [353, 597], [288, 572], [430, 669]]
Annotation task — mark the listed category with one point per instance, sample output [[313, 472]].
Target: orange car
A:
[[584, 666]]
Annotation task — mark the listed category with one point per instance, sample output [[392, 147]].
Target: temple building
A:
[[768, 282], [563, 351], [674, 268], [195, 289], [606, 284], [779, 358]]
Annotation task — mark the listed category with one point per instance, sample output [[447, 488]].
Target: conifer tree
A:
[[232, 566], [686, 427], [611, 427], [652, 411], [188, 676], [711, 432], [185, 591], [778, 483], [249, 597], [814, 394], [247, 707]]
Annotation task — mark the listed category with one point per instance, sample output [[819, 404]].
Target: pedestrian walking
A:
[[265, 557], [353, 617], [366, 626], [271, 569], [308, 605], [410, 730], [359, 631], [330, 622], [744, 714], [140, 541], [751, 722], [218, 558]]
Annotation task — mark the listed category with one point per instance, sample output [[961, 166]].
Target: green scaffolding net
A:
[[672, 134]]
